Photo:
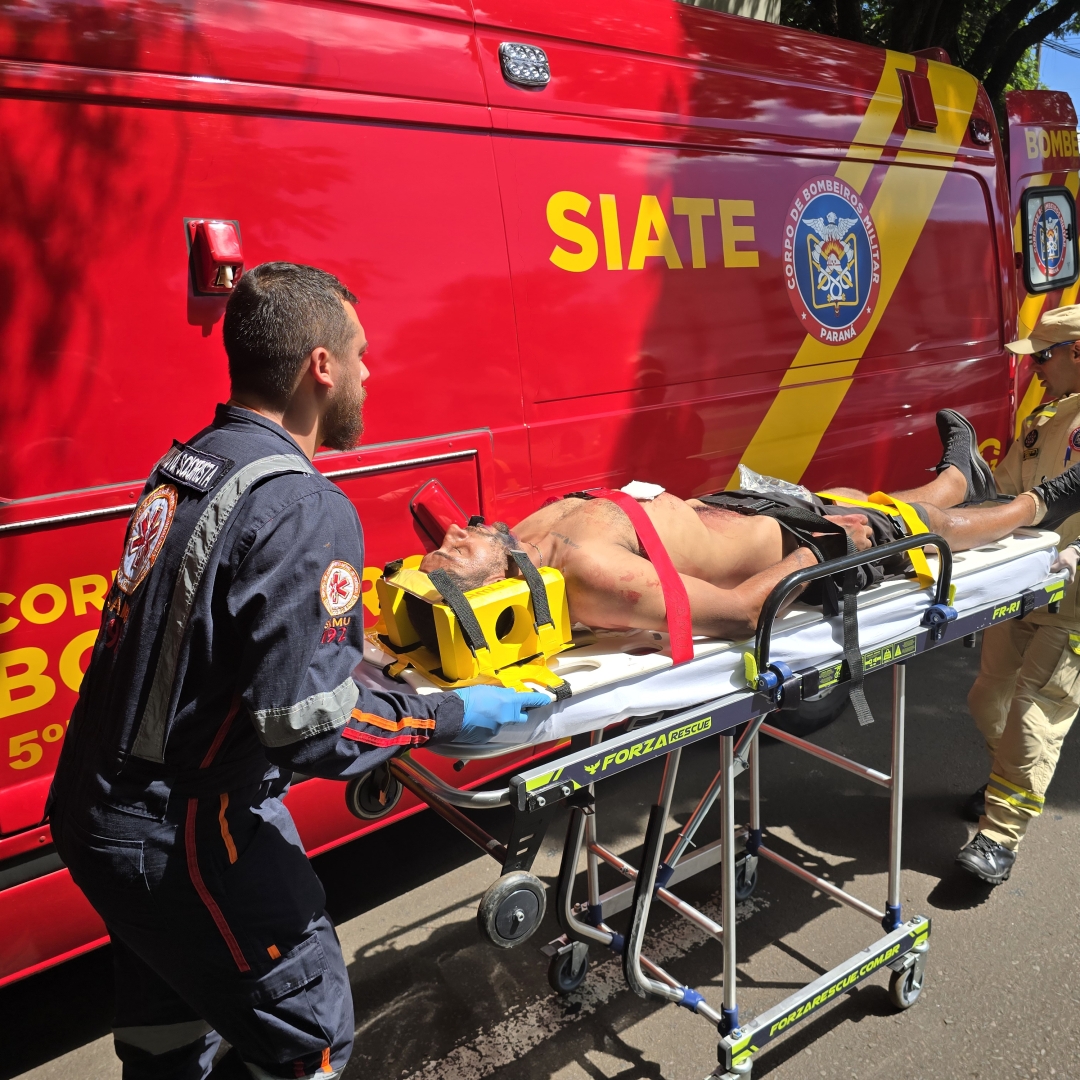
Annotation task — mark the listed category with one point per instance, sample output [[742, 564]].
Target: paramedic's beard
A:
[[344, 420]]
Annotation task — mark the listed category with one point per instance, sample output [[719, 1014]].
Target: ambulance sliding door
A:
[[347, 137], [699, 277]]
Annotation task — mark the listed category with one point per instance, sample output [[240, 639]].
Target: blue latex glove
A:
[[487, 708]]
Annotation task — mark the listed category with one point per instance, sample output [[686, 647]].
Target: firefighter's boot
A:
[[987, 860]]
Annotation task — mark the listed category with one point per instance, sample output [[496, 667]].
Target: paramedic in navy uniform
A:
[[214, 677]]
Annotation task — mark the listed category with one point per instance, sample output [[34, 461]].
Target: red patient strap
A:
[[680, 624]]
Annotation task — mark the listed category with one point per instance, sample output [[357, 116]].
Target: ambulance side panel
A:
[[353, 138], [649, 192]]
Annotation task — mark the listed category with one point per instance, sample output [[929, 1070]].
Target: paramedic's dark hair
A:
[[277, 314]]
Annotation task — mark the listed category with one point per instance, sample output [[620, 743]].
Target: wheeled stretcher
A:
[[631, 706]]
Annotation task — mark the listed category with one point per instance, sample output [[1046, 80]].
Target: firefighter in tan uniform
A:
[[1028, 690]]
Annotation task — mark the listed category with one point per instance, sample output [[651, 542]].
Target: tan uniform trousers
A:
[[1024, 701]]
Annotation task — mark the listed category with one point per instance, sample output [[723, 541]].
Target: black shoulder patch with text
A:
[[193, 468]]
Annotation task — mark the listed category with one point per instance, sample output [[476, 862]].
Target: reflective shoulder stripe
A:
[[321, 712], [150, 739]]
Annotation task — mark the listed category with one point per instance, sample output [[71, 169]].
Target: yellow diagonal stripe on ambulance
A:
[[820, 375]]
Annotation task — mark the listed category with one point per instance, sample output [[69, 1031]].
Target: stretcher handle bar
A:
[[467, 800], [644, 887], [838, 760], [468, 828], [775, 600]]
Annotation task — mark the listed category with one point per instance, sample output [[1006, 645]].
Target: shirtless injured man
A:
[[729, 560]]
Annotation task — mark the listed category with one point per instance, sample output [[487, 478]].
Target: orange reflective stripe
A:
[[326, 1066], [392, 725], [230, 847], [275, 952]]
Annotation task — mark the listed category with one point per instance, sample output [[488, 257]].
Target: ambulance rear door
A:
[[1044, 156], [354, 137]]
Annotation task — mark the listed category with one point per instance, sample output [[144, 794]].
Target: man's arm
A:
[[296, 603], [609, 586]]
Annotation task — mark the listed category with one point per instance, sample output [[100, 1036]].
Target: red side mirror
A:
[[435, 509], [216, 253]]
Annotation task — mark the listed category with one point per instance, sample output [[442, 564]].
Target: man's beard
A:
[[343, 424]]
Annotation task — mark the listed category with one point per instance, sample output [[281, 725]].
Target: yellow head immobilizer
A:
[[500, 634]]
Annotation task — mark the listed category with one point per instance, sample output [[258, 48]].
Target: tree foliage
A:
[[993, 39]]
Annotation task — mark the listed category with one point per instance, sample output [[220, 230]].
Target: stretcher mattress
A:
[[615, 675]]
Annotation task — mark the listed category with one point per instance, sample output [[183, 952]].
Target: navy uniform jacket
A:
[[230, 635]]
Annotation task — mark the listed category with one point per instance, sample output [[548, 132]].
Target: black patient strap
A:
[[470, 625], [802, 523], [537, 588], [462, 609]]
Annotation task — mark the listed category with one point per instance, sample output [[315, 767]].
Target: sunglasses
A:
[[1043, 355]]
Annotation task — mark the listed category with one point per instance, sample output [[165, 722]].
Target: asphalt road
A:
[[435, 1002]]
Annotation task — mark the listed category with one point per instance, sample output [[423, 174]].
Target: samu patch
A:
[[335, 630], [149, 526], [192, 468], [340, 587], [1074, 438], [1031, 438]]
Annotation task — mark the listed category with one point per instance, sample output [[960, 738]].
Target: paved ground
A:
[[433, 1002]]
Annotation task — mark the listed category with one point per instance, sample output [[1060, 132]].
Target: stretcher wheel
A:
[[511, 909], [813, 713], [745, 878], [905, 987], [561, 975], [373, 795]]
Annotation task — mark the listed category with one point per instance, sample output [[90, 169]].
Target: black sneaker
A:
[[1062, 497], [975, 806], [960, 446], [986, 859]]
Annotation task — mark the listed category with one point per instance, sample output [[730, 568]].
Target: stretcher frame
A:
[[572, 778]]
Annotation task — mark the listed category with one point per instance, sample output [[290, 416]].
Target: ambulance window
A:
[[944, 304], [1048, 236]]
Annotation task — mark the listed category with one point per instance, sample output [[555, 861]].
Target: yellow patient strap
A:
[[886, 504]]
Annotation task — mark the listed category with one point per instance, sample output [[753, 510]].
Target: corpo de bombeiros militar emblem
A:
[[1048, 235], [832, 262]]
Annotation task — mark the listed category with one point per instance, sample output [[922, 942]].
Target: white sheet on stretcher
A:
[[628, 674]]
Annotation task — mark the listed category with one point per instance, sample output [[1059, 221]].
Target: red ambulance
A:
[[593, 242]]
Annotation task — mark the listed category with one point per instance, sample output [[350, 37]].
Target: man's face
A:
[[343, 420], [473, 557], [1060, 374]]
